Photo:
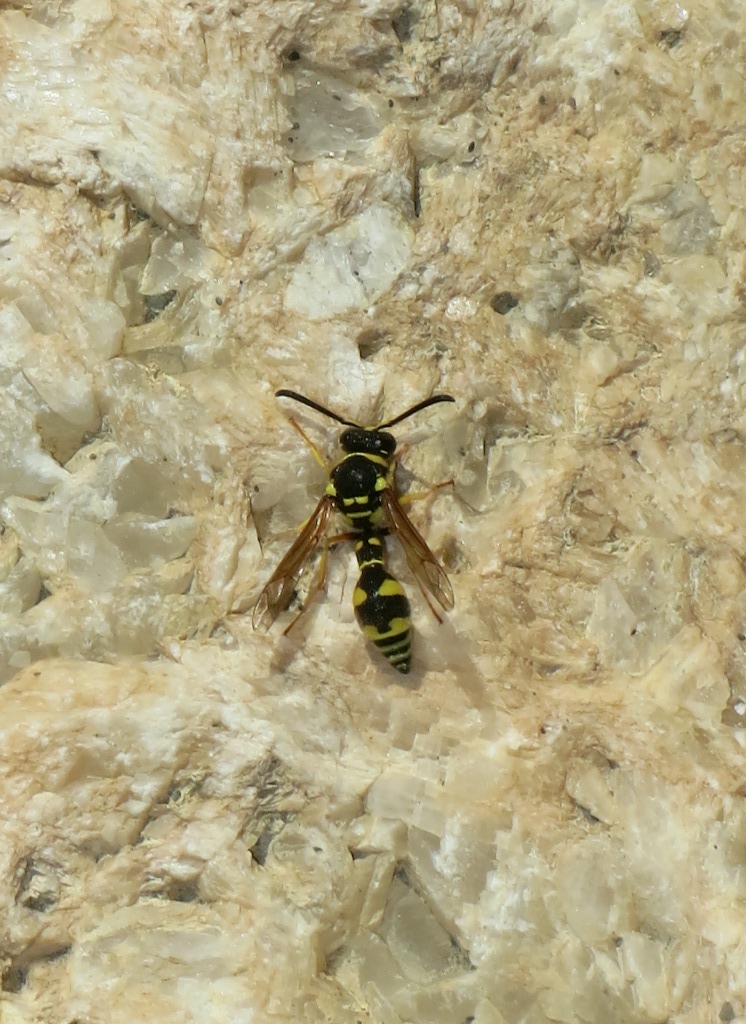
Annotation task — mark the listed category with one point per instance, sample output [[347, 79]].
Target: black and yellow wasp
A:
[[361, 488]]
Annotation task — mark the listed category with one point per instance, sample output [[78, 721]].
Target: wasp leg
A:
[[406, 499], [319, 583], [313, 591], [410, 496], [316, 453]]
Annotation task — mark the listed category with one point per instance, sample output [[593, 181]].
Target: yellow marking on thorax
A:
[[379, 460], [374, 542]]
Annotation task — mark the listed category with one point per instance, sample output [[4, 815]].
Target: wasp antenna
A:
[[416, 408], [284, 393]]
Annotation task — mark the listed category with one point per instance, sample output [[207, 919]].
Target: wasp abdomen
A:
[[383, 612]]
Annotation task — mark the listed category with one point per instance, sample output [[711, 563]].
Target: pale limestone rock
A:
[[537, 207], [352, 266]]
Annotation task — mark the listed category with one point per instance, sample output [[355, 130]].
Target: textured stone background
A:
[[536, 206]]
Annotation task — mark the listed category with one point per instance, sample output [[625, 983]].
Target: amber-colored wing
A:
[[425, 567], [279, 590]]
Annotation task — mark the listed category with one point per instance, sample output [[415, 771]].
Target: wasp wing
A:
[[279, 589], [423, 564]]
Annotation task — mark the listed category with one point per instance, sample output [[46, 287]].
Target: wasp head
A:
[[368, 442]]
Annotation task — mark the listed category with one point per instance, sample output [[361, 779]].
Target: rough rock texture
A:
[[537, 206]]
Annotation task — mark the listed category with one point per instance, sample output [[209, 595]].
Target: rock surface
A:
[[535, 206]]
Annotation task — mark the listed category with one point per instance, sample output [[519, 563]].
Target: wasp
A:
[[362, 490]]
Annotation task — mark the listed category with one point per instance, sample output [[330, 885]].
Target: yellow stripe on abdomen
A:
[[396, 628]]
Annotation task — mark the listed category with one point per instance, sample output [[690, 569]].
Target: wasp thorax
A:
[[368, 442], [355, 477]]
